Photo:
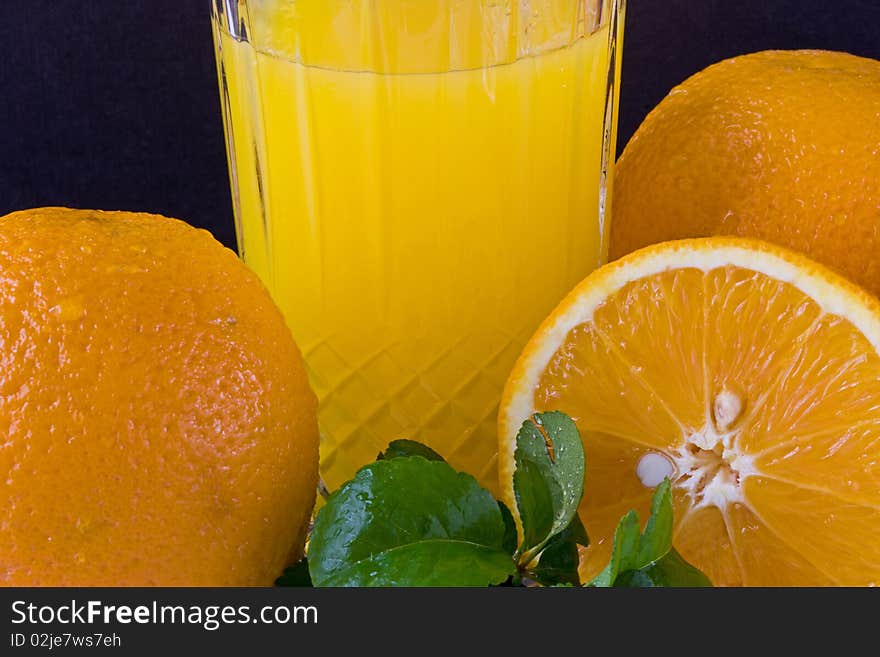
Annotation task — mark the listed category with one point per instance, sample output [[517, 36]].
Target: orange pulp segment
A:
[[746, 373]]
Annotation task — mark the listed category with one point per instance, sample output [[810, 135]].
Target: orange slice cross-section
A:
[[747, 374]]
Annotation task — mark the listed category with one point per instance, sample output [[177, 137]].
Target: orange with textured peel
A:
[[157, 426], [747, 374], [782, 146]]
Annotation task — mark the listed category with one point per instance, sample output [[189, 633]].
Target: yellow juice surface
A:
[[415, 227]]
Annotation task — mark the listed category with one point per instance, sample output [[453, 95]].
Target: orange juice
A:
[[418, 188]]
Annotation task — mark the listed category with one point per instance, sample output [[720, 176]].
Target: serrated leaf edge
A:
[[478, 546]]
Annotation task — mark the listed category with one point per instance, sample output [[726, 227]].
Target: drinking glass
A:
[[418, 183]]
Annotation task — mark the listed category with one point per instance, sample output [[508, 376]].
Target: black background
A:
[[113, 103]]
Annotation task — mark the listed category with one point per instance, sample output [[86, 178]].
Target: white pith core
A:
[[653, 468], [709, 466]]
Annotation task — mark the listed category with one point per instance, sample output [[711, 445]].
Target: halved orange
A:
[[750, 376]]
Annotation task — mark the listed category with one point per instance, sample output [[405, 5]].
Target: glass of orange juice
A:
[[418, 183]]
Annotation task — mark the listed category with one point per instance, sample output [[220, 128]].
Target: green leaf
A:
[[657, 539], [409, 522], [626, 545], [670, 571], [400, 448], [534, 502], [558, 563], [578, 531], [548, 481], [648, 559], [428, 563], [510, 537], [295, 575]]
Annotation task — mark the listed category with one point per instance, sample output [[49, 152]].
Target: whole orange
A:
[[782, 146], [157, 425]]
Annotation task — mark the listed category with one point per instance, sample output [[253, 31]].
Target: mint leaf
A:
[[428, 563], [559, 560], [409, 521], [404, 447], [578, 531], [626, 546], [548, 481], [648, 559], [534, 501], [511, 540], [633, 550], [295, 575], [657, 539], [670, 571]]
